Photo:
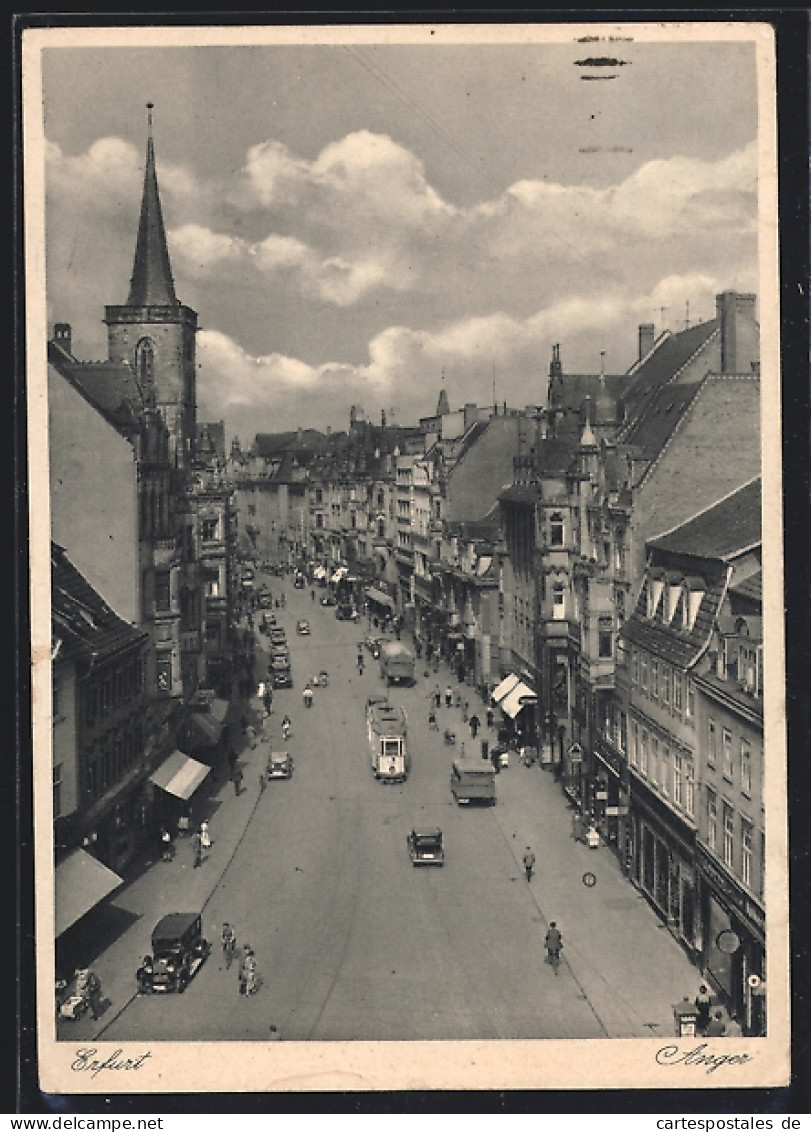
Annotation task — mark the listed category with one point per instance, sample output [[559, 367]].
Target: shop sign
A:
[[601, 795], [616, 811]]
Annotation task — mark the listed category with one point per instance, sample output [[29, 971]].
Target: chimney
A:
[[646, 338], [740, 343], [471, 413]]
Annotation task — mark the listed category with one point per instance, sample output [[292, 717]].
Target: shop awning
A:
[[379, 598], [319, 572], [180, 775], [520, 697], [219, 710], [505, 687], [339, 573], [81, 883], [206, 730]]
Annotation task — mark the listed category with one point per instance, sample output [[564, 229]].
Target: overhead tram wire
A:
[[394, 88]]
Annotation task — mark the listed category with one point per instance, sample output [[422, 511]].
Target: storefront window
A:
[[689, 787], [726, 754]]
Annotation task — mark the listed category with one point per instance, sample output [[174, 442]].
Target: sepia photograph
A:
[[406, 559]]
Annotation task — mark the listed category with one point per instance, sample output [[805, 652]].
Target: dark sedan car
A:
[[425, 846]]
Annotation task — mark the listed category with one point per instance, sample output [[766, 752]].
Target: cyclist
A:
[[229, 943], [553, 944]]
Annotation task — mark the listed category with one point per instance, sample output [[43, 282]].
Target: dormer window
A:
[[654, 587], [673, 584]]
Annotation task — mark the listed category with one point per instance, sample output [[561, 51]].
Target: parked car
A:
[[425, 846], [303, 628], [299, 581], [278, 635], [346, 611], [281, 673], [328, 599], [178, 953], [280, 764], [265, 601]]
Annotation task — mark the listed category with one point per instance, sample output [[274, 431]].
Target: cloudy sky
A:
[[353, 220]]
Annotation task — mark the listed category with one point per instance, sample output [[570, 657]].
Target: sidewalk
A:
[[177, 886], [625, 962]]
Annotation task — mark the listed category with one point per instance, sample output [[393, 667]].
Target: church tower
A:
[[153, 332]]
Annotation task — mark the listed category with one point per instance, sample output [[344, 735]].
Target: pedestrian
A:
[[88, 988], [198, 849], [702, 1003], [716, 1028], [489, 716], [474, 725], [578, 830], [312, 595], [465, 711], [733, 1028], [461, 750], [205, 837], [237, 779], [166, 844], [268, 700], [274, 1035], [437, 697], [458, 699], [229, 944], [263, 780], [432, 723], [529, 862], [448, 696], [360, 664], [496, 760], [232, 761]]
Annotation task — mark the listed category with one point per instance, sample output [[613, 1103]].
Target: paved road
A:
[[355, 943]]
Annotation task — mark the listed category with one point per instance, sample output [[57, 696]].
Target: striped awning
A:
[[219, 709], [505, 687], [379, 598], [81, 883], [180, 775], [519, 697]]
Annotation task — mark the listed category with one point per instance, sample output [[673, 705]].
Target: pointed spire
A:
[[442, 406], [151, 283]]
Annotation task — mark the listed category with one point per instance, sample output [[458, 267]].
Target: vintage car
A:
[[280, 764], [178, 952], [277, 635], [425, 846], [329, 599], [299, 582], [303, 627], [346, 611], [280, 672], [266, 602]]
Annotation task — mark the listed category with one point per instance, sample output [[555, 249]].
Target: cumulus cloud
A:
[[345, 278]]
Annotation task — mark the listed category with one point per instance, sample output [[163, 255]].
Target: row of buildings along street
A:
[[587, 566]]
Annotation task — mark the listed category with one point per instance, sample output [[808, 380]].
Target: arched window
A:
[[145, 363]]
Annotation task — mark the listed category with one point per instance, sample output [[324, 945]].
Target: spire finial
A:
[[150, 106]]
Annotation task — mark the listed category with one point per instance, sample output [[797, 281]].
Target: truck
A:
[[397, 663], [473, 781], [387, 728]]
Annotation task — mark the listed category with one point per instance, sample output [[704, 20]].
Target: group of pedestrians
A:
[[711, 1022], [249, 979]]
